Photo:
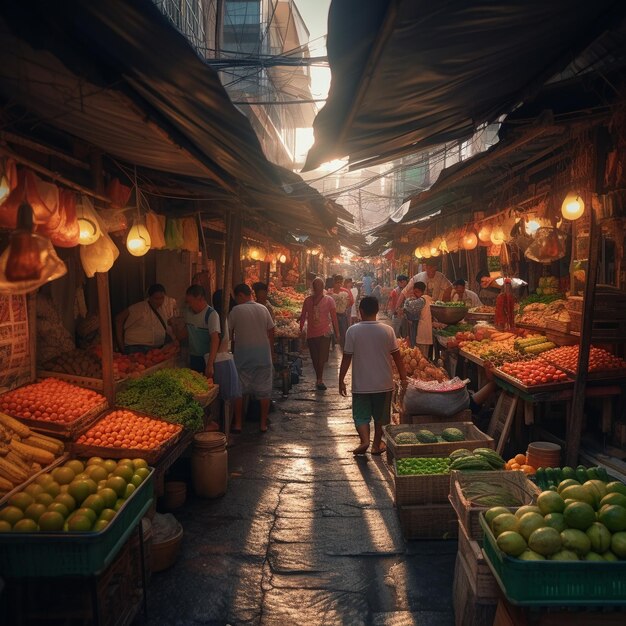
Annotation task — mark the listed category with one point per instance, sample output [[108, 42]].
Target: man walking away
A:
[[370, 347], [252, 332]]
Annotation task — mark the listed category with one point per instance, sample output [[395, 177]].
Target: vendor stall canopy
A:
[[408, 74]]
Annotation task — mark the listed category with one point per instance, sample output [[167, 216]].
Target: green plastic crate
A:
[[51, 554], [555, 583]]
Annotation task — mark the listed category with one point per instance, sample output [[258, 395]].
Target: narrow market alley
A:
[[306, 533]]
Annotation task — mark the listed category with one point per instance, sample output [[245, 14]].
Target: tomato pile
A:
[[50, 400], [534, 372], [599, 360], [125, 429]]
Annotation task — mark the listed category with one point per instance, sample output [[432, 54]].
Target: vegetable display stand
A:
[[113, 598], [420, 488], [516, 483], [555, 583], [473, 438], [468, 607], [43, 470], [428, 521]]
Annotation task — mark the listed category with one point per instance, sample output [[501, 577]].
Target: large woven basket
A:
[[421, 488], [431, 521]]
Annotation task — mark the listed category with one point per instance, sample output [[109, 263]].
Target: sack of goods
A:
[[437, 399]]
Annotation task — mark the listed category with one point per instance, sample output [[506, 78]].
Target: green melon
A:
[[452, 434], [426, 436]]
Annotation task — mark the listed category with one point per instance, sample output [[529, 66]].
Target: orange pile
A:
[[125, 429], [50, 400], [599, 360], [520, 463]]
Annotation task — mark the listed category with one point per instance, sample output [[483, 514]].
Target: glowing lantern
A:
[[138, 239], [532, 227], [573, 206], [470, 240], [497, 236], [88, 225], [484, 234], [282, 258]]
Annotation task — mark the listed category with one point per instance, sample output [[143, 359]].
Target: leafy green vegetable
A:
[[194, 382], [423, 465], [163, 395], [535, 298], [450, 331]]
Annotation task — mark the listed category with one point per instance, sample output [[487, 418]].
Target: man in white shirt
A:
[[144, 325], [438, 287], [252, 332], [461, 294], [370, 347]]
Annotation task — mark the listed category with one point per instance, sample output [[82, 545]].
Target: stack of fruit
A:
[[478, 460], [417, 366], [534, 372], [575, 522], [520, 463], [599, 360], [76, 496]]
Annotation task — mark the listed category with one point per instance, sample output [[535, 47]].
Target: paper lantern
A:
[[470, 240], [418, 252], [426, 252], [484, 234], [573, 206], [138, 239], [282, 258], [497, 236], [89, 227]]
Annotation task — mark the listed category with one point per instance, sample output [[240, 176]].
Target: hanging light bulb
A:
[[437, 242], [532, 226], [418, 252], [282, 258], [573, 206], [443, 246], [434, 251], [426, 252], [484, 234], [470, 240], [497, 236], [88, 225], [138, 239], [5, 189]]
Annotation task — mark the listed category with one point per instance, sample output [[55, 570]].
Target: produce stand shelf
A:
[[46, 554], [471, 357], [555, 583], [534, 389]]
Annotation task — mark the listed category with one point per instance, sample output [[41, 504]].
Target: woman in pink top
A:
[[318, 311]]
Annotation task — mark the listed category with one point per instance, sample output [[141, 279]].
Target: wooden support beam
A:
[[31, 308]]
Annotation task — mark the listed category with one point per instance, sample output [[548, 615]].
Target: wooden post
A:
[[104, 302], [574, 427], [31, 309]]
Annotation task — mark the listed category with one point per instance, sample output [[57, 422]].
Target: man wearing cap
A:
[[438, 287]]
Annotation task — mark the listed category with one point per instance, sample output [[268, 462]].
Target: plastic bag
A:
[[43, 198], [156, 229], [190, 235], [118, 193], [435, 403], [174, 239], [99, 256], [67, 233], [548, 246]]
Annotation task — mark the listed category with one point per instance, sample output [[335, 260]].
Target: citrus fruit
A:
[[579, 515], [43, 479], [545, 541], [34, 489], [616, 487], [86, 512], [578, 493], [128, 462], [618, 544], [51, 520], [25, 525], [492, 513], [550, 502], [118, 484], [140, 463], [130, 488], [527, 508], [52, 488], [11, 514], [107, 514], [136, 480], [504, 522], [108, 496], [599, 536], [511, 543], [614, 498], [556, 521], [613, 517], [81, 476], [144, 472], [21, 500], [593, 556], [576, 541], [100, 524], [102, 484], [79, 522], [531, 555], [94, 502], [94, 460], [34, 511], [44, 498], [76, 466], [119, 504], [528, 523], [564, 555], [59, 507], [109, 465], [5, 527], [79, 490], [568, 482], [609, 556], [67, 500], [64, 488], [97, 472], [63, 475], [125, 471], [598, 485]]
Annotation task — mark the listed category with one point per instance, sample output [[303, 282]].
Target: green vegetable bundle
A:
[[163, 395], [193, 382], [423, 465]]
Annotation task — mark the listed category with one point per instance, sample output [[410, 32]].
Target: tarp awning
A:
[[407, 74]]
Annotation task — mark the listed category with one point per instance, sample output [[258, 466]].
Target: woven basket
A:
[[432, 521], [480, 574], [469, 512], [421, 488], [474, 438], [557, 326]]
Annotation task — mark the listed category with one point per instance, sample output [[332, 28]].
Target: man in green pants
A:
[[371, 348]]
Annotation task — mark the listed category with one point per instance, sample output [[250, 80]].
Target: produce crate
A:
[[474, 438], [430, 521], [50, 554], [421, 488], [66, 430], [483, 582], [150, 456], [468, 607], [558, 326], [555, 583], [462, 416], [469, 512]]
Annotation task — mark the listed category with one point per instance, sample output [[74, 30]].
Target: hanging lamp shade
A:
[[470, 240], [88, 224], [138, 239], [497, 236], [484, 234], [573, 206]]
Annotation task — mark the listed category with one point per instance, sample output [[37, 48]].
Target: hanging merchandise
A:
[[484, 235], [118, 193], [156, 227], [138, 238], [88, 223], [8, 178], [100, 255], [548, 246], [174, 239], [67, 234], [41, 196], [114, 220], [191, 241], [29, 260]]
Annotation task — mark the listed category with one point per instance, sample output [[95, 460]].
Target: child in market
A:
[[370, 348], [417, 312]]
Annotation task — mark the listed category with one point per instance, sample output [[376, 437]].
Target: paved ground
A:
[[306, 534]]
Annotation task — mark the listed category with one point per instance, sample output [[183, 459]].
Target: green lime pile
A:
[[423, 465]]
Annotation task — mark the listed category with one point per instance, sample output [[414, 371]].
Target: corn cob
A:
[[15, 458], [539, 348], [21, 429], [34, 454], [4, 449], [5, 433], [35, 467], [47, 438], [12, 472], [5, 485], [44, 444]]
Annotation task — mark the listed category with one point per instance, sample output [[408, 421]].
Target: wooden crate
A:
[[462, 416], [557, 325], [469, 513], [421, 488], [430, 521], [469, 610], [474, 438], [484, 584]]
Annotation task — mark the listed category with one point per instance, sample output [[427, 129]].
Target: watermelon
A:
[[452, 434]]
